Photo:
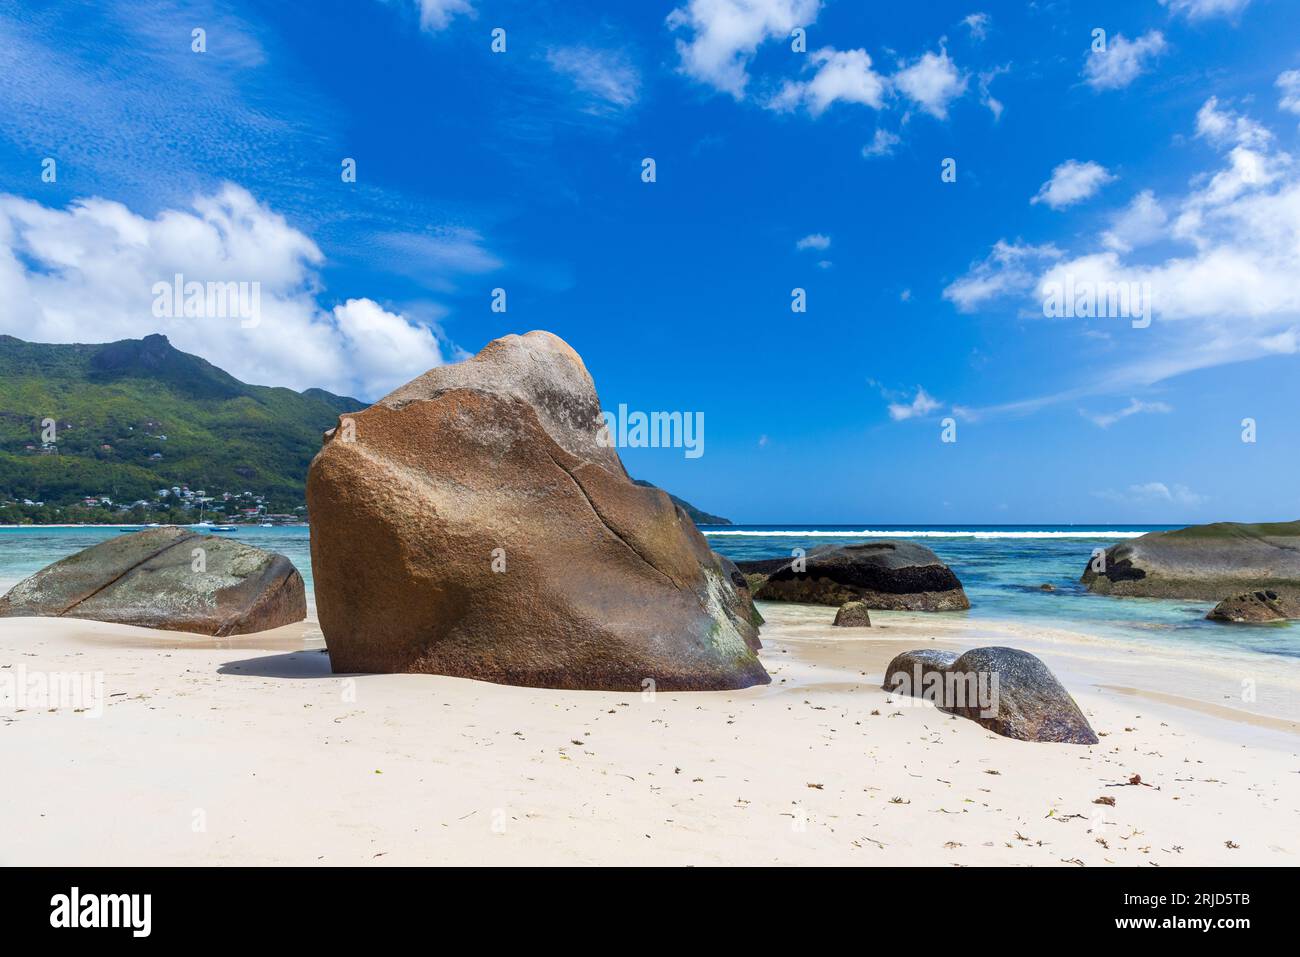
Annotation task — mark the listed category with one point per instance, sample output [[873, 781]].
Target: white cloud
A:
[[606, 75], [921, 406], [1225, 292], [842, 75], [1123, 60], [437, 15], [1157, 492], [814, 241], [725, 34], [882, 144], [932, 82], [1009, 268], [1135, 407], [87, 274], [1204, 9], [987, 98], [1289, 84], [1072, 182], [1139, 224], [978, 23]]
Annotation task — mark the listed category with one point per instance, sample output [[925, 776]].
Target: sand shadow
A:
[[313, 663]]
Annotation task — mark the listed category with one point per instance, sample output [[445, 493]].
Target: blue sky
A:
[[1167, 158]]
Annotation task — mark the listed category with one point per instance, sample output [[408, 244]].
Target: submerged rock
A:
[[1010, 692], [169, 578], [852, 614], [1202, 562], [1256, 607], [896, 575], [477, 523]]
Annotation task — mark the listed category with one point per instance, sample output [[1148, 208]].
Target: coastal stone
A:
[[168, 578], [895, 575], [1256, 607], [1047, 586], [477, 523], [852, 614], [1008, 691], [1202, 562], [741, 585]]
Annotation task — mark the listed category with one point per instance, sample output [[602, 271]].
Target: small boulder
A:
[[1256, 607], [1047, 586], [852, 614], [169, 578], [1010, 692]]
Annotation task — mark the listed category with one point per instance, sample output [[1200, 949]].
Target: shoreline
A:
[[286, 763]]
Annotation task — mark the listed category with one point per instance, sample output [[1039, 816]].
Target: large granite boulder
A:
[[1256, 607], [1203, 562], [741, 584], [897, 575], [169, 578], [477, 523], [1010, 692]]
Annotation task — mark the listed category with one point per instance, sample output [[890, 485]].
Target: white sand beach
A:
[[249, 751]]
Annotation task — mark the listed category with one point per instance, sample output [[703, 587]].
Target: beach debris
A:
[[1108, 801]]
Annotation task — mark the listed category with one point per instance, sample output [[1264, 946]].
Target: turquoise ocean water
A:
[[1001, 567]]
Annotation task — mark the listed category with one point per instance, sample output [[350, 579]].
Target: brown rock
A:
[[1008, 691], [1256, 607], [169, 578], [473, 523], [852, 614]]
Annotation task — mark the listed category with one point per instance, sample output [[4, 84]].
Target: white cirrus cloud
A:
[[1123, 60], [87, 273], [1157, 492], [1010, 268], [814, 241], [920, 406], [1072, 182], [436, 15], [882, 144], [607, 76], [1205, 9], [841, 76], [725, 34], [1289, 84], [932, 82], [1139, 224], [1105, 420], [978, 24]]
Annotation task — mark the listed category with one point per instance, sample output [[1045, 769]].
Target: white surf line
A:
[[876, 533]]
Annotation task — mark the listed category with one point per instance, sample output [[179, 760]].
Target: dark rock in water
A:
[[852, 614], [1010, 692], [1256, 606], [1047, 586], [1204, 562], [478, 522], [169, 578], [896, 575]]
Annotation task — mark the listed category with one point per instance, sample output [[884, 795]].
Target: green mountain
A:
[[135, 416], [698, 517]]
